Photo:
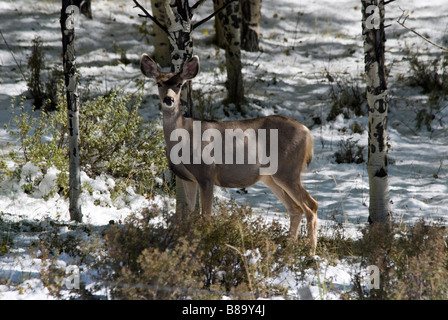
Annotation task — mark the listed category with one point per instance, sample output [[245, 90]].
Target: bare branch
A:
[[212, 15], [148, 15], [401, 23], [403, 14]]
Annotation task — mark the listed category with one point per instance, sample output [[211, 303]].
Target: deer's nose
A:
[[168, 101]]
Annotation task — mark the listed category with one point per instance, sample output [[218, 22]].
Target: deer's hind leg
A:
[[294, 211], [306, 203], [206, 195]]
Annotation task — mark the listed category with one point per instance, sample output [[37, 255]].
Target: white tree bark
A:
[[71, 83], [162, 53], [377, 165], [251, 14], [179, 27], [230, 20]]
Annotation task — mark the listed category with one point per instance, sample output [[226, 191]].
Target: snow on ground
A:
[[302, 42]]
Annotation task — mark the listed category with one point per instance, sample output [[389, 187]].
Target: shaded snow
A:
[[302, 41]]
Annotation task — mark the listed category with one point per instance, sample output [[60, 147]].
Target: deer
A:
[[292, 143]]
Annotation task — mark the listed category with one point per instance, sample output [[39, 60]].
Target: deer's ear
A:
[[190, 68], [148, 66]]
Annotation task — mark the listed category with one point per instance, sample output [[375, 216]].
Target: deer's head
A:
[[169, 83]]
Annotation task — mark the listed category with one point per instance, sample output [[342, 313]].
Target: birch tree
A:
[[230, 22], [178, 27], [67, 21], [373, 15], [162, 53], [251, 15]]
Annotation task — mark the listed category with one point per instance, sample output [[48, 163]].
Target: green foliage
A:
[[113, 139]]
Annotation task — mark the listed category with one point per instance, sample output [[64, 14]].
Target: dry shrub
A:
[[412, 263], [232, 253]]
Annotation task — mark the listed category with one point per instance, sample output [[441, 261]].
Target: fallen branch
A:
[[404, 16]]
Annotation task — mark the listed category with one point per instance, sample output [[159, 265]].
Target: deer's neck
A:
[[172, 120]]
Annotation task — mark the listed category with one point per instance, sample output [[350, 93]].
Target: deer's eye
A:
[[159, 84]]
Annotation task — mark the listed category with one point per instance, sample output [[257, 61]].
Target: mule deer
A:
[[290, 140]]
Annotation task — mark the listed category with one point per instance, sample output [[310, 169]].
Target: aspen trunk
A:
[[178, 29], [251, 14], [377, 165], [161, 42], [231, 24], [71, 84], [220, 39], [181, 48]]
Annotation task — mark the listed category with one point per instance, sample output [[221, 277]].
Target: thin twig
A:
[[401, 23], [212, 15], [148, 15], [12, 54]]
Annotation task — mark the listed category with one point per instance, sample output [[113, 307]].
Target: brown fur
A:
[[295, 152]]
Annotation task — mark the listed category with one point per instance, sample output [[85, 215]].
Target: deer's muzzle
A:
[[168, 101]]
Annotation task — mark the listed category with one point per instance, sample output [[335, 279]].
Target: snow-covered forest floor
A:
[[311, 53]]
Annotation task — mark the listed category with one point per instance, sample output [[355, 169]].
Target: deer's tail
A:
[[309, 150]]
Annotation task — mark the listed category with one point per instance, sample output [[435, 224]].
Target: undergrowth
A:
[[237, 254], [347, 98], [412, 261], [231, 254], [155, 255], [114, 140], [431, 75]]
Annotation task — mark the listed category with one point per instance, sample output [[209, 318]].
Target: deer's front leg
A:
[[206, 193], [191, 189]]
